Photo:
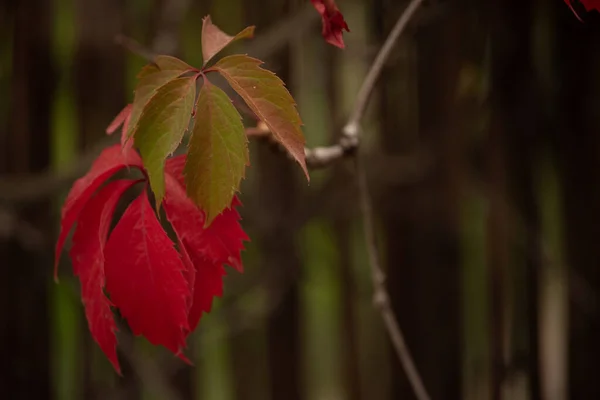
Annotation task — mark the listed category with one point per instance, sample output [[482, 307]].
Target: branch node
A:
[[381, 300], [351, 131]]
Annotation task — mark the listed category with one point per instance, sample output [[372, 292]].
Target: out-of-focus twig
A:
[[350, 135], [148, 370], [22, 189], [28, 236]]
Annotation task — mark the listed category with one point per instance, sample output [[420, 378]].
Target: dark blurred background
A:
[[482, 144]]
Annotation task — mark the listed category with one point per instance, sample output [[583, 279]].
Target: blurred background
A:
[[482, 144]]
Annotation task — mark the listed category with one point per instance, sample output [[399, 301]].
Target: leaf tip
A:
[[183, 358], [305, 169]]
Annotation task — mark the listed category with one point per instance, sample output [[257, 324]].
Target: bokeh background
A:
[[482, 145]]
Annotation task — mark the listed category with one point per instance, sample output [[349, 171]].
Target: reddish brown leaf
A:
[[333, 22], [214, 40], [87, 255], [145, 277], [122, 118], [269, 99], [108, 162], [119, 119]]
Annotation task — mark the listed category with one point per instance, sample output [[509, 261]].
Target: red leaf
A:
[[222, 241], [207, 249], [208, 284], [333, 22], [175, 166], [145, 277], [190, 271], [204, 277], [87, 255], [588, 4], [108, 162]]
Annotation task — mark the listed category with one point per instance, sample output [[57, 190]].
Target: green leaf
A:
[[267, 96], [214, 40], [161, 127], [151, 79], [172, 63], [218, 152]]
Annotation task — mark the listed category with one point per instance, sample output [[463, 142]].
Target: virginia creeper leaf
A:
[[208, 284], [151, 79], [222, 241], [268, 98], [146, 70], [122, 118], [144, 277], [203, 248], [190, 272], [588, 4], [87, 255], [217, 154], [175, 166], [214, 40], [161, 127], [204, 277], [172, 63], [108, 162], [332, 21]]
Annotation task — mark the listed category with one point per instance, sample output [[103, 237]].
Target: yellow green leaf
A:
[[161, 127], [151, 79], [171, 63], [217, 154]]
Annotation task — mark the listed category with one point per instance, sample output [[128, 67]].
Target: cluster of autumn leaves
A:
[[160, 285]]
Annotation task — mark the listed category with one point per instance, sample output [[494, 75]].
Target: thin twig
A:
[[366, 89], [381, 298], [28, 188], [351, 134], [324, 156]]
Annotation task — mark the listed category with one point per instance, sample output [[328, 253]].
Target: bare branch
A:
[[33, 187], [381, 298], [366, 89], [324, 156], [351, 133]]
